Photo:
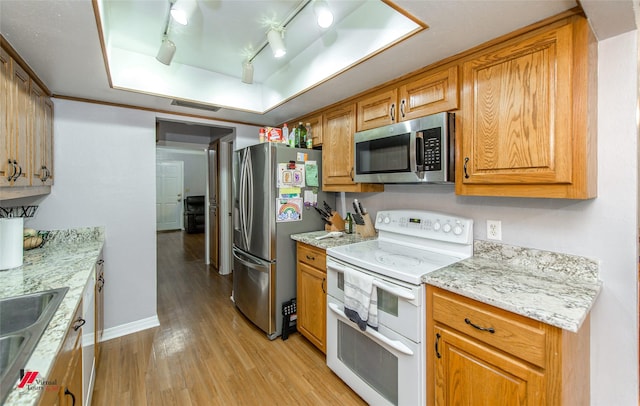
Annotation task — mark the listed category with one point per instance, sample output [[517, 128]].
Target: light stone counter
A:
[[310, 238], [66, 259], [553, 288]]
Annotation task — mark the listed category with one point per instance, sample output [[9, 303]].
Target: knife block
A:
[[337, 223], [367, 230]]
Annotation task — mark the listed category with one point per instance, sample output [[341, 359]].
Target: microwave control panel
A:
[[432, 149]]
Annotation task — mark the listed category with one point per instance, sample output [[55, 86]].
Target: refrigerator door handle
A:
[[250, 196], [243, 200], [249, 261]]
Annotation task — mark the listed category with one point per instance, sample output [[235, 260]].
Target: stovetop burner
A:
[[410, 244]]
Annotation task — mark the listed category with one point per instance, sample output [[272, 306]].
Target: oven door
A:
[[400, 305], [383, 367]]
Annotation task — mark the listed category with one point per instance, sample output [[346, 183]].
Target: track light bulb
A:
[[323, 13], [166, 51], [276, 42]]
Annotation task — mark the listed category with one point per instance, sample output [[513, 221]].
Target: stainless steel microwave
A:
[[415, 151]]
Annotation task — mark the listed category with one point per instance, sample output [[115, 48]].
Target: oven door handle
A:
[[396, 345], [377, 283]]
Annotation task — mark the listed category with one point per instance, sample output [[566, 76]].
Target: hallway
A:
[[205, 352]]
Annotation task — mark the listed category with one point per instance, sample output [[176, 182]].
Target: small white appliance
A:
[[387, 366], [11, 236]]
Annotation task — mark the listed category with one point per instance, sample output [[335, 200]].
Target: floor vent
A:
[[183, 103]]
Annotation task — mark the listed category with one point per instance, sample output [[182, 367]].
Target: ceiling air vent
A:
[[182, 103]]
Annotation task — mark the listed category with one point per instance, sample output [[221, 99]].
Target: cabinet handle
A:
[[392, 112], [79, 323], [402, 103], [437, 342], [351, 174], [100, 261], [73, 397], [466, 161], [17, 175], [13, 170], [489, 329], [324, 280], [311, 258]]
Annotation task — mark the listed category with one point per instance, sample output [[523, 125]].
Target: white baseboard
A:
[[130, 328]]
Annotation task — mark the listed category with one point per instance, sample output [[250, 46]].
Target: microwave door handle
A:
[[377, 283], [420, 153], [396, 345]]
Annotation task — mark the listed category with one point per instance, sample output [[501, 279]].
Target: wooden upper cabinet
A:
[[338, 126], [19, 121], [377, 109], [430, 92], [525, 125], [41, 137]]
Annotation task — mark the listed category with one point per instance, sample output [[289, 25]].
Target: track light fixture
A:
[[275, 37], [247, 72], [323, 13], [166, 51]]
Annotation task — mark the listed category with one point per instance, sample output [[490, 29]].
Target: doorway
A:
[[191, 142]]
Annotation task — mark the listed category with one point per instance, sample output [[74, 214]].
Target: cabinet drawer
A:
[[511, 333], [313, 256]]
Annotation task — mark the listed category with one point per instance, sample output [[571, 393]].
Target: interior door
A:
[[169, 187]]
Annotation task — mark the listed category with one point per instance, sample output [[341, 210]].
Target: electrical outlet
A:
[[494, 230]]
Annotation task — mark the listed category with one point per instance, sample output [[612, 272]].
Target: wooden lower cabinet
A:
[[481, 355], [312, 294], [67, 368]]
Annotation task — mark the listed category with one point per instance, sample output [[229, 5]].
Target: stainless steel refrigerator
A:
[[264, 256]]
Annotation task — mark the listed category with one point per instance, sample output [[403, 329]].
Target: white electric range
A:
[[387, 366]]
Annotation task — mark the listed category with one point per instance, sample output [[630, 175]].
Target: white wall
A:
[[603, 228], [104, 161]]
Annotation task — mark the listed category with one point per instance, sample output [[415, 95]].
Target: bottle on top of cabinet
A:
[[285, 134], [302, 136], [309, 137]]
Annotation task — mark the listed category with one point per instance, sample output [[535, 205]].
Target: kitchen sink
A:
[[23, 319]]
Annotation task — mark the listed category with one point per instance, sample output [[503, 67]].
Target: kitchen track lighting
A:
[[323, 13], [166, 51], [275, 37]]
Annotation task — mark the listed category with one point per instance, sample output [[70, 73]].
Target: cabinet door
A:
[[19, 124], [38, 145], [5, 97], [312, 303], [337, 158], [377, 110], [470, 373], [47, 148], [429, 93], [524, 117], [99, 308]]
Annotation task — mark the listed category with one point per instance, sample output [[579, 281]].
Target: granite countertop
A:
[[66, 259], [553, 288], [310, 238]]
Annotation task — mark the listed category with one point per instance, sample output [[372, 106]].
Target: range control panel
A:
[[426, 224]]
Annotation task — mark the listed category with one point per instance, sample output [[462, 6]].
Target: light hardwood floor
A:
[[205, 352]]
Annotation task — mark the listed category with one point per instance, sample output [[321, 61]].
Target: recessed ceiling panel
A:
[[222, 34]]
